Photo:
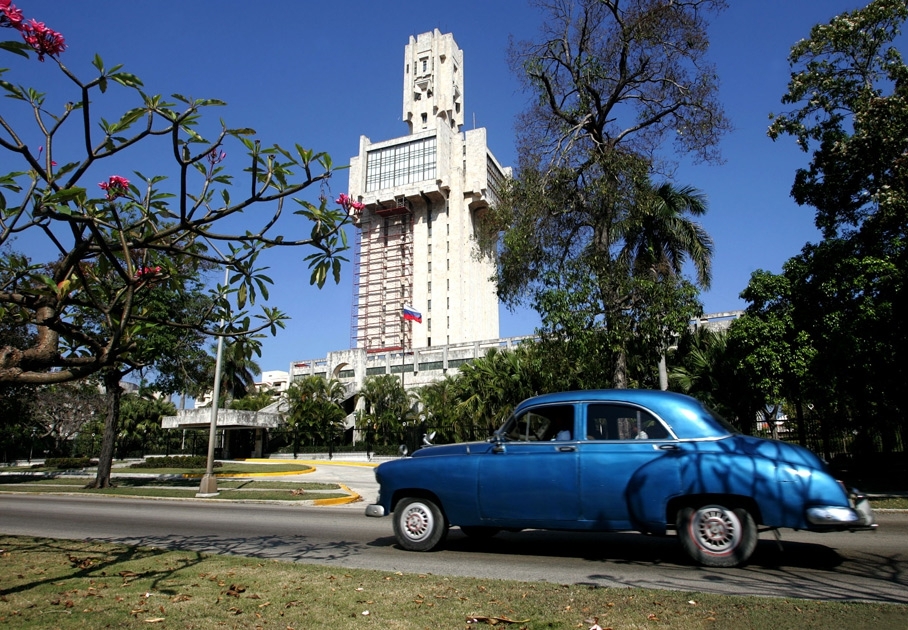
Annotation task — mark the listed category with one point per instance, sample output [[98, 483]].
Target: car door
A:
[[531, 477], [628, 466]]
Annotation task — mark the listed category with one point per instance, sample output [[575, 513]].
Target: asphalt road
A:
[[843, 566]]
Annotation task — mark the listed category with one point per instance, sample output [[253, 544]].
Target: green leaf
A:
[[241, 296], [18, 48], [67, 194], [127, 79], [14, 92]]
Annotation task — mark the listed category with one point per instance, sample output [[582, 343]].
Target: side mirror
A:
[[403, 450]]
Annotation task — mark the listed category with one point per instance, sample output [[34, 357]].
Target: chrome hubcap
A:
[[717, 528], [417, 522]]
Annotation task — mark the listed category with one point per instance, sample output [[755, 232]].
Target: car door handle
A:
[[567, 449], [668, 447]]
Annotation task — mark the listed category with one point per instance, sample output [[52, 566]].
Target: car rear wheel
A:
[[419, 524], [479, 532], [717, 536]]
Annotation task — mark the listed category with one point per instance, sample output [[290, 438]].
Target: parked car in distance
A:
[[617, 460]]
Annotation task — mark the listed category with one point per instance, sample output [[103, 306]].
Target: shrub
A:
[[66, 463], [176, 461]]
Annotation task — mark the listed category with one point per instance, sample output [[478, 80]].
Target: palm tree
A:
[[315, 414], [388, 408], [438, 401], [238, 369], [659, 236], [491, 386]]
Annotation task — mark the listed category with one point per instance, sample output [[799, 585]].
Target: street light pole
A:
[[209, 485]]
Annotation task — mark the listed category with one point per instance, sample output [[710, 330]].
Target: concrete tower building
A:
[[423, 194]]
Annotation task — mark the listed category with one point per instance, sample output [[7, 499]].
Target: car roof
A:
[[686, 416]]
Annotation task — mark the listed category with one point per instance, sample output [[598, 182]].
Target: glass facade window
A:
[[401, 164], [496, 181]]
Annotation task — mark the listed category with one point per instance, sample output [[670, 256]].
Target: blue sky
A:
[[321, 74]]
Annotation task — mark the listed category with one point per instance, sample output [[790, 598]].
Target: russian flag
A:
[[412, 314]]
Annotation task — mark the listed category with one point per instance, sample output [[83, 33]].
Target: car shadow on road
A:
[[631, 547], [796, 569]]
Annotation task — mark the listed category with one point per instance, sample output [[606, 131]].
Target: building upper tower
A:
[[423, 195], [433, 82]]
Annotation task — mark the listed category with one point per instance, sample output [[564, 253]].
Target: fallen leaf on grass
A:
[[155, 620], [494, 621], [235, 590], [81, 563]]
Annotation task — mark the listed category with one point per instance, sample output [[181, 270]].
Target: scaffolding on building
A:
[[382, 276]]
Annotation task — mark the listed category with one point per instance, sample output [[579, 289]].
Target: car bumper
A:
[[837, 517], [375, 510]]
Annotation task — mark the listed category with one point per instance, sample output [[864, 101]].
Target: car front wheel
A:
[[419, 524], [717, 536]]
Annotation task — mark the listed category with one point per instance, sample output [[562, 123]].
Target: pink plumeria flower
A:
[[10, 16], [115, 186], [43, 40]]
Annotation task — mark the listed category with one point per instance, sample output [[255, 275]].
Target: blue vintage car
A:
[[617, 460]]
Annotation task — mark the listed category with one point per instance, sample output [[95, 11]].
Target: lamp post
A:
[[209, 485]]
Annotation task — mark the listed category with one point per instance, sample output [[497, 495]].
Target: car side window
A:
[[622, 422], [542, 424]]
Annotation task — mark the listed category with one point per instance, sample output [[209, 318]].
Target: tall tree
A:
[[61, 410], [612, 84], [848, 107], [112, 247]]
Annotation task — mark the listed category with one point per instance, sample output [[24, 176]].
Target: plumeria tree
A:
[[108, 247]]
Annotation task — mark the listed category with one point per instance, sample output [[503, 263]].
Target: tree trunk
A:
[[109, 436], [619, 380]]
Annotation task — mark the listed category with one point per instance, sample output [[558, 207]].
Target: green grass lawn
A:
[[237, 490], [77, 584]]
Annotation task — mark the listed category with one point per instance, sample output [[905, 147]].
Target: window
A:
[[417, 96], [429, 305], [425, 63], [425, 118], [621, 422], [401, 164], [542, 424]]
